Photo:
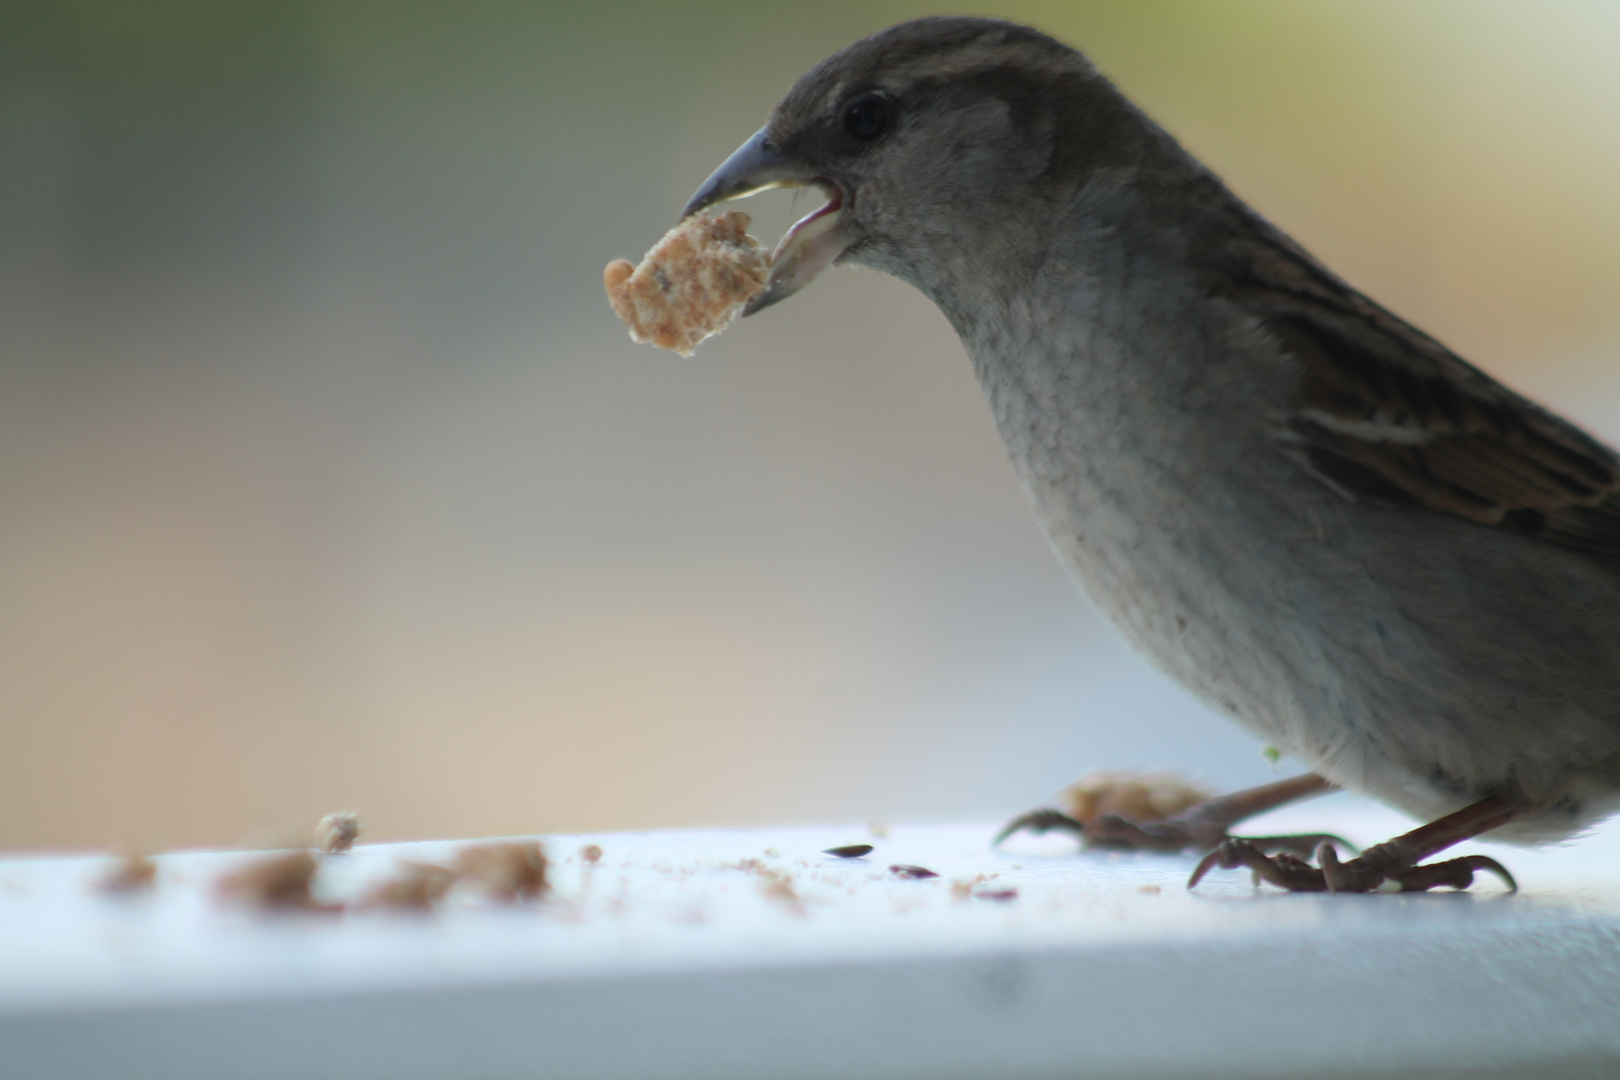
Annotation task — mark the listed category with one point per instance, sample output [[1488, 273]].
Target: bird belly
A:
[[1396, 651]]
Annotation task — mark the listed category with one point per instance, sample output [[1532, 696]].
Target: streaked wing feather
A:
[[1387, 412]]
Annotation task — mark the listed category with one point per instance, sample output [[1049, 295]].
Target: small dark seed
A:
[[996, 894], [849, 851], [914, 872]]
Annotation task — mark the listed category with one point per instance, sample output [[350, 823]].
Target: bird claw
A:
[[1359, 875], [1302, 844], [1456, 873], [1162, 837], [1283, 869], [1107, 831], [1040, 822]]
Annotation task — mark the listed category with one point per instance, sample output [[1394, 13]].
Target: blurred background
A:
[[328, 479]]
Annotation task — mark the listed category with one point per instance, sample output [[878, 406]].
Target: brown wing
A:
[[1387, 412]]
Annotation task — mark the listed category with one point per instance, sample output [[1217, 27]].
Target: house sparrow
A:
[[1308, 512]]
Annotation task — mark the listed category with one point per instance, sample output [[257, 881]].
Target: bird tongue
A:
[[805, 251]]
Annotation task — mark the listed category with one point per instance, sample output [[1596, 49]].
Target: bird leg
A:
[[1201, 827], [1395, 861]]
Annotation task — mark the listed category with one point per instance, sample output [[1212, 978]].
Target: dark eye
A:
[[867, 117]]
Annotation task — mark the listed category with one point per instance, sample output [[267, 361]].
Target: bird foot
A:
[[1201, 826], [1392, 862], [1176, 835], [1193, 831]]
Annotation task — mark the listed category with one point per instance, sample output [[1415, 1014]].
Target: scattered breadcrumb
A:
[[278, 882], [133, 873], [915, 873], [1150, 890], [962, 888], [779, 887], [1136, 797], [417, 887], [773, 884], [337, 832], [849, 851], [591, 854], [508, 870], [693, 282]]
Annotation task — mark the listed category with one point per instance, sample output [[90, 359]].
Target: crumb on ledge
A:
[[337, 832], [417, 887], [779, 889], [692, 284], [508, 870], [279, 882], [1136, 797], [132, 874], [591, 854]]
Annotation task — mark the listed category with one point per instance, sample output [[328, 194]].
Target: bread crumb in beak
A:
[[692, 284]]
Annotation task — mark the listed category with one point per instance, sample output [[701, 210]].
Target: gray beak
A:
[[754, 167], [810, 246]]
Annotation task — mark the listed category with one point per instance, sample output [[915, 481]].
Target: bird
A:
[[1309, 513]]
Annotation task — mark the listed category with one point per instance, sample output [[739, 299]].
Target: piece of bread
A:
[[1136, 797], [691, 284]]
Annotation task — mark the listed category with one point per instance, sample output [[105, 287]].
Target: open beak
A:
[[806, 249]]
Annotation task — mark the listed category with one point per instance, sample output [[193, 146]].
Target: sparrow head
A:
[[942, 145]]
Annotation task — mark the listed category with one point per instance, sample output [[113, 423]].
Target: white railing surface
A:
[[725, 954]]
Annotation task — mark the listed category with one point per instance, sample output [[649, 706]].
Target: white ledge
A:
[[670, 960]]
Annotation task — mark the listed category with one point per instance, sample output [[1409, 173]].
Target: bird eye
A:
[[867, 117]]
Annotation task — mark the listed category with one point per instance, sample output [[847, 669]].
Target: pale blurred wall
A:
[[327, 479]]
